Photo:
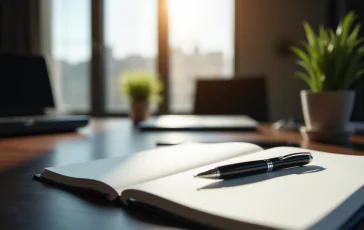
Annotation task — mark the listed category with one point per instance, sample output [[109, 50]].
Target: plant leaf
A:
[[318, 78], [360, 73], [306, 79], [322, 40], [332, 60], [361, 49], [345, 27], [140, 86], [359, 41], [301, 54], [354, 66], [354, 34], [311, 37], [310, 50], [308, 68]]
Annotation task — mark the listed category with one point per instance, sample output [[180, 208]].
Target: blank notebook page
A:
[[298, 198], [120, 172]]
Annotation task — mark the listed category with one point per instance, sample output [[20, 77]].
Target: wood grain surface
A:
[[28, 204]]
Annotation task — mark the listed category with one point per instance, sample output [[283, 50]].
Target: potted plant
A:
[[332, 61], [141, 88]]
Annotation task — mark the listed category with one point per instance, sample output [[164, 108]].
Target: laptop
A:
[[26, 94], [199, 122]]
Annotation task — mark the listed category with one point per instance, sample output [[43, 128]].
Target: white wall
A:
[[263, 22]]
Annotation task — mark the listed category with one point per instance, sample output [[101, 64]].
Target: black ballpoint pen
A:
[[257, 167]]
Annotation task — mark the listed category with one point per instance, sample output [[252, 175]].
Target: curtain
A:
[[20, 26], [358, 112]]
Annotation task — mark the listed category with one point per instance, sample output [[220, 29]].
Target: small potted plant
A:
[[141, 88], [332, 61]]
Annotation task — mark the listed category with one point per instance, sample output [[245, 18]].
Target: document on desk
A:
[[323, 194]]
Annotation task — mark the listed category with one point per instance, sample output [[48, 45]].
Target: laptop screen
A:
[[24, 85]]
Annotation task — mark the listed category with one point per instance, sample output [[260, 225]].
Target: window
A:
[[131, 44], [71, 51], [201, 44]]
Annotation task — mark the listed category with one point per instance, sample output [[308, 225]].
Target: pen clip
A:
[[295, 154]]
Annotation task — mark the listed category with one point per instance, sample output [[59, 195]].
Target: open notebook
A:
[[322, 195]]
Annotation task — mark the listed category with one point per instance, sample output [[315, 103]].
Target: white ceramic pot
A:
[[327, 111]]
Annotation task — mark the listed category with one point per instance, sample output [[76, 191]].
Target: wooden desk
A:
[[27, 204]]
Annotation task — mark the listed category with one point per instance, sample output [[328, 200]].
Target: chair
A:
[[244, 96]]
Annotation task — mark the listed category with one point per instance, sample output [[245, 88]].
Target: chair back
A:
[[237, 96]]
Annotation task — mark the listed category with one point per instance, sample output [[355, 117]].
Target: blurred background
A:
[[89, 43]]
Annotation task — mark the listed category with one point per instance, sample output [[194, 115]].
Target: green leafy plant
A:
[[332, 60], [141, 86]]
